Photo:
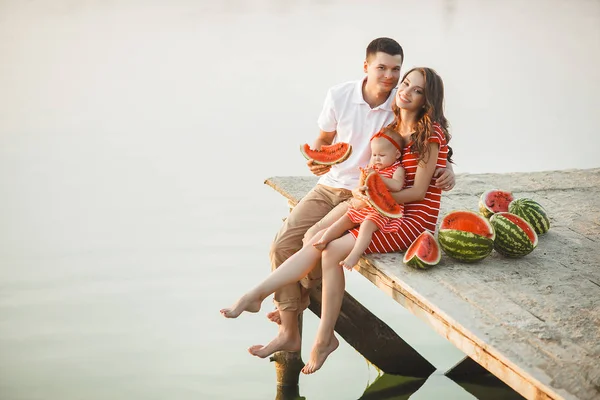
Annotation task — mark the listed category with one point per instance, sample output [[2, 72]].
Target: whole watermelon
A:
[[515, 237], [532, 212]]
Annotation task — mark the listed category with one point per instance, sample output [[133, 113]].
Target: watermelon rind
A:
[[512, 241], [485, 209], [418, 262], [373, 203], [532, 212], [464, 245], [311, 154]]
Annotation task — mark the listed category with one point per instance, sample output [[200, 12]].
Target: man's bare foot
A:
[[284, 341], [246, 303], [319, 354], [349, 262], [274, 316]]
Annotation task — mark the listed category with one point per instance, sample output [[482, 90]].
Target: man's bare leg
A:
[[287, 339]]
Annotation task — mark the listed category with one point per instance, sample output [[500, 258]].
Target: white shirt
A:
[[355, 122]]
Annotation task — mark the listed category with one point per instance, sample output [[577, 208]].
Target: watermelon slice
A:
[[328, 154], [423, 253], [380, 197]]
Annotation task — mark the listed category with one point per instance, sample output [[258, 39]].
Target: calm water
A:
[[134, 140]]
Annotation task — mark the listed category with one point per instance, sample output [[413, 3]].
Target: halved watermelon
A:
[[328, 154], [424, 252], [380, 198], [493, 201], [466, 236]]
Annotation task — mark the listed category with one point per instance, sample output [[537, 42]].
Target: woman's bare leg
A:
[[365, 235], [339, 227], [292, 270], [334, 284]]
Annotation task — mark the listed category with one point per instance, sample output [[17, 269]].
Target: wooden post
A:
[[288, 366]]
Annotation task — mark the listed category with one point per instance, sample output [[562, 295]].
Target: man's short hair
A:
[[386, 45]]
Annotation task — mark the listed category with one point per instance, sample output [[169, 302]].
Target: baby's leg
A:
[[335, 231], [328, 220], [365, 234]]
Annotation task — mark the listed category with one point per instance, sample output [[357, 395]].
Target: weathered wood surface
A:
[[534, 322]]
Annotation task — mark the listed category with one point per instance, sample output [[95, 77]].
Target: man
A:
[[352, 112]]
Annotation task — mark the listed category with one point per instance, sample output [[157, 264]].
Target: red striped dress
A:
[[419, 216], [384, 224]]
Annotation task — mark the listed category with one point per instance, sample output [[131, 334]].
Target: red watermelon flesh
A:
[[328, 154], [424, 252], [468, 221], [494, 201], [380, 198]]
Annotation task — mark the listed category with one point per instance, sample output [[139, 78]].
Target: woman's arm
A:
[[396, 182], [422, 178]]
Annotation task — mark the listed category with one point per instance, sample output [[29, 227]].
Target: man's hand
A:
[[444, 178], [318, 169]]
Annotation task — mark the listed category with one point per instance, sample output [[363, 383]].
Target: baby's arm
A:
[[396, 182]]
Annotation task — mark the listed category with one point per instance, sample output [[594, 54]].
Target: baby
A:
[[386, 151]]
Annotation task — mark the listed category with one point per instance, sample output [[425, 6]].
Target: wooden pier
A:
[[533, 322]]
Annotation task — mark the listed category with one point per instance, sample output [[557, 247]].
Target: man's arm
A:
[[445, 179]]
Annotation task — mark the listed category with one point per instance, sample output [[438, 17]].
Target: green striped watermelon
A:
[[532, 212], [423, 253], [515, 237], [493, 201], [466, 236]]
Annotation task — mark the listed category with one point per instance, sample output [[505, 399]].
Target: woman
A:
[[421, 123]]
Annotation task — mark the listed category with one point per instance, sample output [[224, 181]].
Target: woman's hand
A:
[[318, 169], [444, 178]]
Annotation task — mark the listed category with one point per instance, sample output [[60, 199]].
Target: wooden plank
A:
[[465, 368], [533, 322]]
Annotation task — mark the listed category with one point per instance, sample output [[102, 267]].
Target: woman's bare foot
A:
[[319, 354], [284, 341], [350, 262], [247, 302], [274, 316]]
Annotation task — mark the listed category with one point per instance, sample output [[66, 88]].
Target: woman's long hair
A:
[[432, 111]]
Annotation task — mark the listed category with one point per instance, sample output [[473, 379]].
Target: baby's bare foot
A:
[[349, 262], [320, 245]]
